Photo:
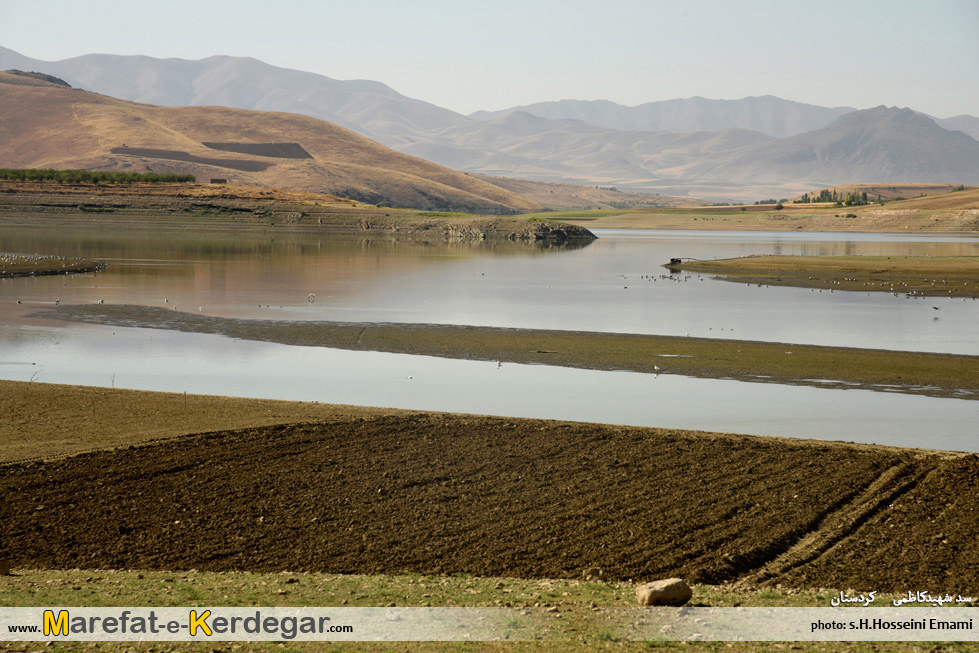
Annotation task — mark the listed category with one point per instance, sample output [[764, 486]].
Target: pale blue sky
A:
[[496, 54]]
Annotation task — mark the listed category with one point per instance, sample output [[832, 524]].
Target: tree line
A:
[[827, 195], [92, 176]]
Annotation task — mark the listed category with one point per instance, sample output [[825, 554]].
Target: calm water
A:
[[595, 288], [600, 287]]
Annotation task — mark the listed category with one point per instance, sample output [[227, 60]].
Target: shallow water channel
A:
[[615, 284]]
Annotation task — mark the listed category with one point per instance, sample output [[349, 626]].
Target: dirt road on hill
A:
[[443, 494]]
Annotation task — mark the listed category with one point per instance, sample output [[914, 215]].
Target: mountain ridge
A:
[[766, 114]]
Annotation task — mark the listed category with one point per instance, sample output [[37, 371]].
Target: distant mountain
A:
[[767, 114], [369, 108], [965, 124], [743, 149], [880, 144], [47, 125], [521, 145]]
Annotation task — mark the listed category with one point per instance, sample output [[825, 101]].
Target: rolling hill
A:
[[49, 125]]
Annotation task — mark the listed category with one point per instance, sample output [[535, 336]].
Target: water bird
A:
[[311, 298]]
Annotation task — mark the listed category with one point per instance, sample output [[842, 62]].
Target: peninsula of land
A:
[[913, 276]]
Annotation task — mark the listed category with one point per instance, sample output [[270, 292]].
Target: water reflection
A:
[[611, 285], [149, 359]]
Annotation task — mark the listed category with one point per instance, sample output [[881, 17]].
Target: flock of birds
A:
[[6, 259], [677, 278]]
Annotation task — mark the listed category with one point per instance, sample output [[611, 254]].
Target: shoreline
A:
[[930, 374], [202, 206]]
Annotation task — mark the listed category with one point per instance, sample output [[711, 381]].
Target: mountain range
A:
[[717, 149]]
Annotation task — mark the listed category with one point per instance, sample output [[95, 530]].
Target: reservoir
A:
[[615, 284]]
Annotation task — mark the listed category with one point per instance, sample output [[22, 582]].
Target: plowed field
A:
[[442, 494]]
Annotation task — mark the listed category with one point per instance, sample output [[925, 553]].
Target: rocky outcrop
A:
[[515, 229], [672, 591]]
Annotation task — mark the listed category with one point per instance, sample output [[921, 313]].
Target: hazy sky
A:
[[494, 54]]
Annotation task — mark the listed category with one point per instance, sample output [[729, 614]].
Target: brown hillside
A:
[[49, 126]]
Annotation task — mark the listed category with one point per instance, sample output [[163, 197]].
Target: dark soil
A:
[[443, 494], [274, 150], [176, 155]]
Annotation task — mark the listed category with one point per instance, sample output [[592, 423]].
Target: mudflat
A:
[[399, 491], [940, 375]]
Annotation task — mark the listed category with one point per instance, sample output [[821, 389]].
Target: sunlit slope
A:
[[46, 125]]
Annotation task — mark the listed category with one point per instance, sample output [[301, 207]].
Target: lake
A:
[[615, 284]]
